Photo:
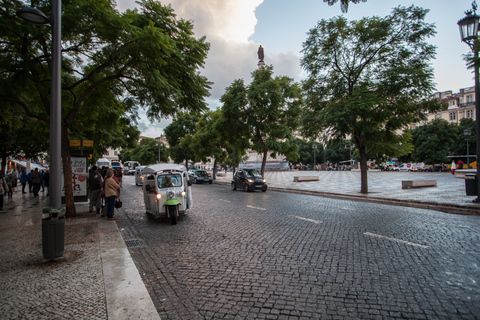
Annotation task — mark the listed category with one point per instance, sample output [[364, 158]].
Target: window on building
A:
[[453, 116], [469, 113], [470, 98], [452, 102], [115, 152]]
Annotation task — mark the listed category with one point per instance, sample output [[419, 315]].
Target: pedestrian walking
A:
[[9, 189], [119, 175], [46, 180], [36, 179], [30, 184], [43, 181], [453, 167], [23, 180], [3, 188], [95, 186], [15, 179], [112, 191]]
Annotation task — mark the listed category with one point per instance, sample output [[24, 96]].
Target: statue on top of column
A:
[[260, 54]]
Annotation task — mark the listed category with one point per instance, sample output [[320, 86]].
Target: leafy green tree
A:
[[338, 152], [433, 141], [207, 142], [146, 152], [367, 80], [460, 146], [269, 109], [17, 139], [112, 64], [306, 154], [179, 134]]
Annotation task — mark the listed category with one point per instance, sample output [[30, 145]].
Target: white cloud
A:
[[227, 25]]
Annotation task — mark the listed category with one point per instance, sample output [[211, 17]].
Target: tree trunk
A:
[[67, 175], [214, 173], [363, 170], [264, 161], [186, 164], [4, 165]]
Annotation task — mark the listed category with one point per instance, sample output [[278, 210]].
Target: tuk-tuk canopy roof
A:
[[163, 167]]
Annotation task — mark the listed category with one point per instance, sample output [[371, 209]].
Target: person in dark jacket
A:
[[95, 186], [24, 180], [36, 181]]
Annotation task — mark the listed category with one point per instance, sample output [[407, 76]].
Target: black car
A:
[[248, 180], [199, 176]]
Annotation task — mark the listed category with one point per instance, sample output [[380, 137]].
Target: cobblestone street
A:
[[276, 255]]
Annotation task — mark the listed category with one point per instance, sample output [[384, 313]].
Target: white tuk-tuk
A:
[[167, 191], [139, 175]]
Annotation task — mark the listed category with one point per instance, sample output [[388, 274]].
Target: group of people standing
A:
[[105, 186], [35, 179]]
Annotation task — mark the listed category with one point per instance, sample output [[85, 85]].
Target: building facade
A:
[[460, 105]]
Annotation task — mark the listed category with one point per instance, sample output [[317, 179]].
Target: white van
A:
[[406, 167], [139, 175]]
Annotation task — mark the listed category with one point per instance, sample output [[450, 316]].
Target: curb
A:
[[443, 207]]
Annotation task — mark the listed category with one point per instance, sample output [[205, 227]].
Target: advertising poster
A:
[[79, 178]]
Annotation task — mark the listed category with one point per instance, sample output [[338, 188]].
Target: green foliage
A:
[[179, 134], [338, 152], [433, 141], [146, 152], [306, 154], [112, 64], [266, 112], [460, 146], [367, 80]]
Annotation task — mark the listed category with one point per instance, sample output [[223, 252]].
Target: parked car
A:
[[199, 176], [249, 180], [436, 168]]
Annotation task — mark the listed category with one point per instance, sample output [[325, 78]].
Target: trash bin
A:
[[471, 184], [53, 237]]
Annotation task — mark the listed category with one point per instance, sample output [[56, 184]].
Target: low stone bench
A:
[[418, 184], [306, 178]]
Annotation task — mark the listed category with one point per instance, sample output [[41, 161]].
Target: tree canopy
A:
[[112, 64], [267, 110], [367, 80], [434, 141], [179, 135]]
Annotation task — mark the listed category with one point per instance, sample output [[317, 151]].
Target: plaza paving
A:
[[387, 185]]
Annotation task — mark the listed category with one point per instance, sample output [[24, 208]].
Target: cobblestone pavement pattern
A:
[[277, 255], [34, 288], [241, 255], [95, 279]]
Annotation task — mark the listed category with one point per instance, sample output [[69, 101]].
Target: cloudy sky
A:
[[236, 28]]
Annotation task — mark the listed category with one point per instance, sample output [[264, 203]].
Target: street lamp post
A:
[[467, 133], [314, 156], [469, 34], [159, 144], [33, 15]]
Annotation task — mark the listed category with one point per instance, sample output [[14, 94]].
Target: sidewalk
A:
[[96, 278]]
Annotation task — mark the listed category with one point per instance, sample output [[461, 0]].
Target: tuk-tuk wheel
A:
[[234, 187], [173, 214]]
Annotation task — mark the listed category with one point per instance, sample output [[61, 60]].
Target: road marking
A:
[[306, 219], [396, 240], [263, 209], [224, 200]]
